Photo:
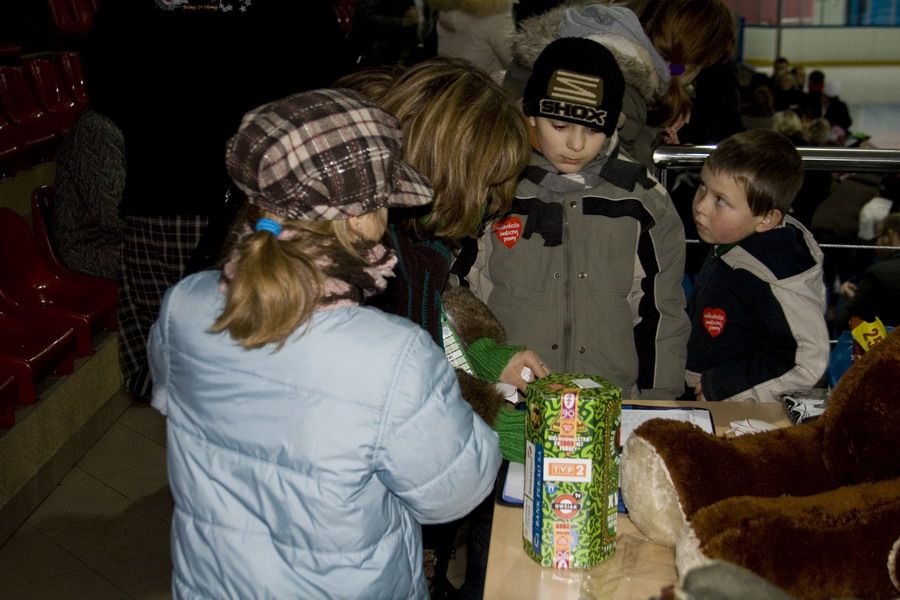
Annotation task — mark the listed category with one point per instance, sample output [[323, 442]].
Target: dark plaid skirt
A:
[[154, 254]]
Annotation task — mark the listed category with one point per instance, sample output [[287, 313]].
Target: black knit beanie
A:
[[576, 80]]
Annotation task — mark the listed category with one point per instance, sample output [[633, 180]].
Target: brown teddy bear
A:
[[471, 319], [813, 508]]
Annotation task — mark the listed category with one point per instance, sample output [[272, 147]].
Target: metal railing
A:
[[842, 160]]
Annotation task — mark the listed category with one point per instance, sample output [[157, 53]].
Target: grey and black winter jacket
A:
[[590, 277]]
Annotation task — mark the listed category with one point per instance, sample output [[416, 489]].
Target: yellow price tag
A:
[[868, 334]]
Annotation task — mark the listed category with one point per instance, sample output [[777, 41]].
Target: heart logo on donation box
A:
[[714, 321], [508, 231]]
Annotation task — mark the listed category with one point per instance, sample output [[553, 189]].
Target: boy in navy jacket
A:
[[758, 305]]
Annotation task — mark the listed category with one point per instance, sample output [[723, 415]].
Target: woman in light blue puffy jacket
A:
[[309, 437]]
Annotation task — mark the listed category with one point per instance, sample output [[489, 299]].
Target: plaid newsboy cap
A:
[[323, 155]]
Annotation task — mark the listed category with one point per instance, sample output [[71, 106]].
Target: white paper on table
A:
[[746, 426], [514, 484], [634, 415]]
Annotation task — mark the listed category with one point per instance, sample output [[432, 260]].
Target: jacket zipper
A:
[[568, 310]]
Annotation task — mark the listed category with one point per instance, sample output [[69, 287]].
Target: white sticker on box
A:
[[527, 524], [586, 384], [567, 469]]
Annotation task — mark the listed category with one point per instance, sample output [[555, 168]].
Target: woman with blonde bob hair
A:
[[297, 417], [468, 137]]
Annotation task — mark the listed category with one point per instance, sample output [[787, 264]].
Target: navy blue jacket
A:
[[757, 317]]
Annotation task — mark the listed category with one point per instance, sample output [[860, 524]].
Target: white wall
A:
[[829, 12], [866, 60], [825, 45]]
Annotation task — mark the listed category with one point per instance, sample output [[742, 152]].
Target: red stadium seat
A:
[[9, 148], [36, 128], [41, 200], [84, 14], [343, 10], [64, 18], [47, 85], [79, 324], [69, 64], [29, 285], [31, 349]]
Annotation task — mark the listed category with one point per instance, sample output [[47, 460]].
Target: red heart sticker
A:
[[714, 321], [508, 231]]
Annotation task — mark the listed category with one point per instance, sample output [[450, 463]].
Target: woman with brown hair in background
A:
[[660, 45]]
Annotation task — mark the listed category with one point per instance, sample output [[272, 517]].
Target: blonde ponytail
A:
[[273, 284]]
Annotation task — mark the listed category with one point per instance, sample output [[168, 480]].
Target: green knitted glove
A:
[[488, 359], [510, 426]]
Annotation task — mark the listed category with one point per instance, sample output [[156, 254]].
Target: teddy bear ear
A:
[[647, 490], [862, 422], [666, 475]]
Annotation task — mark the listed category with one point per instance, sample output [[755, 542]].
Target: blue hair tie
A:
[[676, 69], [273, 227]]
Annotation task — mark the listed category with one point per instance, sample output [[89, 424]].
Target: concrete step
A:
[[71, 415]]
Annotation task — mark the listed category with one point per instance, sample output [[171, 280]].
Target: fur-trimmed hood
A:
[[615, 27]]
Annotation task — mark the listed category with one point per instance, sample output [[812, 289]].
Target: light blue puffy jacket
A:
[[305, 472]]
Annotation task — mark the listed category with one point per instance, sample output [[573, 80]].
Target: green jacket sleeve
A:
[[488, 358]]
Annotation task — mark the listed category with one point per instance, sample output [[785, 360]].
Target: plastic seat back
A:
[[37, 127], [41, 202], [46, 83], [21, 268], [73, 75], [28, 283], [9, 144], [32, 348], [84, 14], [42, 199], [343, 10], [16, 99], [64, 18]]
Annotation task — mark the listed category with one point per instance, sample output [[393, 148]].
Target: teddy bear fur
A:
[[472, 320], [814, 508], [834, 544]]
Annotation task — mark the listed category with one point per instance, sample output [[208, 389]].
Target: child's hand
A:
[[512, 374], [698, 392]]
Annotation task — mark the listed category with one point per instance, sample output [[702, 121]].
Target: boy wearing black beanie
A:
[[586, 268]]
